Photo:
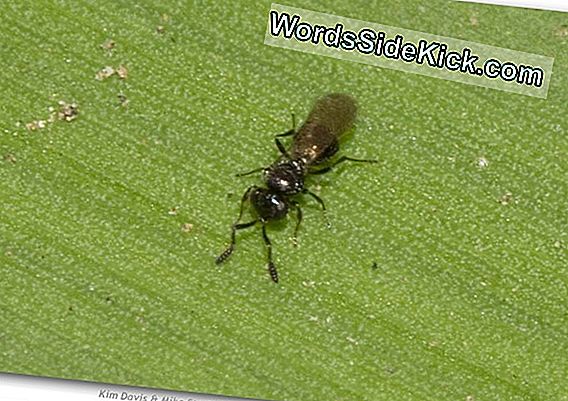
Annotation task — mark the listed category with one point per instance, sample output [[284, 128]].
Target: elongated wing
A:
[[335, 111], [317, 139]]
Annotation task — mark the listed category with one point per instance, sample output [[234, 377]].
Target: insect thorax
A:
[[286, 176]]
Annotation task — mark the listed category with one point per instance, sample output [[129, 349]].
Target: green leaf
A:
[[443, 276]]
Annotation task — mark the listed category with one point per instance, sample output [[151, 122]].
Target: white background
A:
[[559, 5], [28, 388]]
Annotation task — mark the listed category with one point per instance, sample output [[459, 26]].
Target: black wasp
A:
[[314, 143]]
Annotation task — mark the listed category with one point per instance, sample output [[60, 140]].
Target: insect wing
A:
[[317, 139]]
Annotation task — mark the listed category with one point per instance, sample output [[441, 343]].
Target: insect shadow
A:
[[313, 145]]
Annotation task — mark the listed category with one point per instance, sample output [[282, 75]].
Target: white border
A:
[[28, 388], [31, 388], [556, 5]]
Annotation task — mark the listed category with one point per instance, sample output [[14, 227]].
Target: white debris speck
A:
[[482, 162], [186, 227], [352, 340], [105, 73]]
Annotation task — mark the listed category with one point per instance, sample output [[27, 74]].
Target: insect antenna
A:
[[236, 226], [271, 266], [229, 251]]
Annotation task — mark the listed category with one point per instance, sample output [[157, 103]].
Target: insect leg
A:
[[298, 221], [236, 226], [271, 267], [244, 198], [287, 133], [341, 160], [256, 170], [293, 130], [320, 201], [281, 148]]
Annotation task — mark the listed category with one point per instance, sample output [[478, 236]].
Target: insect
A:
[[313, 144]]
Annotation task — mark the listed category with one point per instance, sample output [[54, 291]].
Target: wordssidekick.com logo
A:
[[407, 50]]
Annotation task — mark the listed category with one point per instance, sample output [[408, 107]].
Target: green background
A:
[[98, 281]]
